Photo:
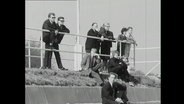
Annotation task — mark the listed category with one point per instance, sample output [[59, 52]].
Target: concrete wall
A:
[[84, 95]]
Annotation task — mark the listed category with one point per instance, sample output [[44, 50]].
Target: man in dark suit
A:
[[57, 40], [50, 41], [50, 25], [91, 63], [119, 67], [90, 42], [113, 92], [106, 45]]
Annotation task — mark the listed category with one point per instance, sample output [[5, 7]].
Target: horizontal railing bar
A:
[[78, 35], [51, 58], [58, 44], [62, 51]]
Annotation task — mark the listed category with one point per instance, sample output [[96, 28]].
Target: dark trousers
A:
[[48, 56], [120, 92]]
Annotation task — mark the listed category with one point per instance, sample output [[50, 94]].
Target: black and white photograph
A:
[[92, 51]]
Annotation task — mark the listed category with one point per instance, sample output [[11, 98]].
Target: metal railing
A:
[[78, 35]]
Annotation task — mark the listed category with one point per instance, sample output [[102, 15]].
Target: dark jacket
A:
[[109, 93], [90, 42], [121, 37], [59, 37], [48, 37], [108, 35], [120, 69]]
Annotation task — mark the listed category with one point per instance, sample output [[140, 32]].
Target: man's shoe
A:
[[63, 68], [43, 67]]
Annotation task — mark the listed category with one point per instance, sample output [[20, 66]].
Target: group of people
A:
[[104, 46], [52, 39], [112, 92]]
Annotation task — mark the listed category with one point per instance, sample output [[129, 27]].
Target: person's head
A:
[[112, 76], [129, 30], [61, 20], [123, 30], [106, 26], [94, 25], [115, 54], [93, 51], [51, 17]]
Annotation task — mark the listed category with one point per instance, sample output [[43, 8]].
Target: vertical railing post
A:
[[41, 56], [134, 54], [29, 54], [120, 48]]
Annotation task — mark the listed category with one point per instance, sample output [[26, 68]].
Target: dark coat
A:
[[59, 37], [48, 37], [109, 93], [121, 37], [120, 69], [108, 35], [92, 43]]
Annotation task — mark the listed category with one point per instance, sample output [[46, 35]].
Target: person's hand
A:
[[102, 38], [97, 55], [56, 32], [119, 100]]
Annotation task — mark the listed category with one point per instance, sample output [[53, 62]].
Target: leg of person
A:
[[122, 91], [46, 57], [127, 51], [97, 77], [57, 55], [49, 57]]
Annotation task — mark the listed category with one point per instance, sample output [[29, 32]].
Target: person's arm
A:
[[113, 65], [65, 29], [97, 66]]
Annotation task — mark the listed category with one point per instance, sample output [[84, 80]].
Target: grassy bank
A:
[[35, 76]]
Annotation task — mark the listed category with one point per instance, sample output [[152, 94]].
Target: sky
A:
[[142, 15]]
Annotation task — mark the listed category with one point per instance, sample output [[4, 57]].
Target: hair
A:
[[93, 49], [123, 30], [106, 24], [93, 23], [60, 18], [51, 14], [129, 28], [112, 73], [114, 52]]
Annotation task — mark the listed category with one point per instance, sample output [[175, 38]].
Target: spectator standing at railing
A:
[[90, 42], [57, 40], [50, 25], [121, 45], [50, 42], [130, 40], [91, 64], [105, 44]]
